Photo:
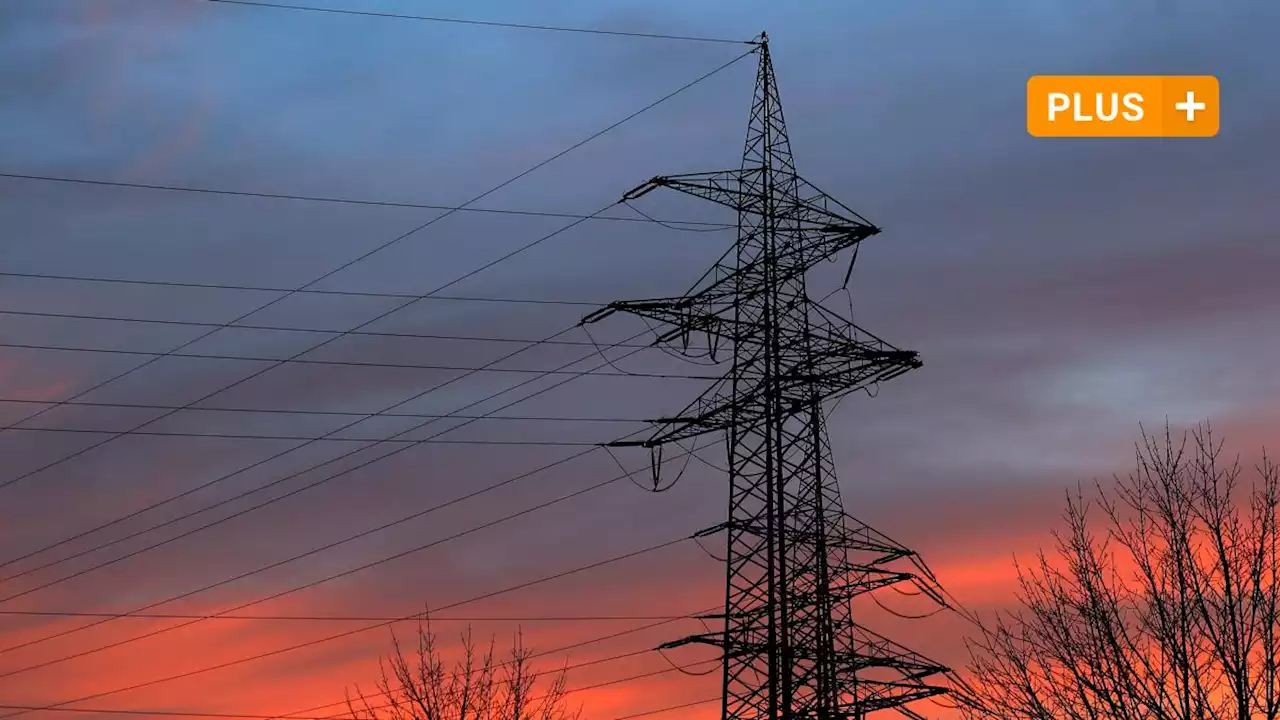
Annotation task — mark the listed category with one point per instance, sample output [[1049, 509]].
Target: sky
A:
[[1062, 294]]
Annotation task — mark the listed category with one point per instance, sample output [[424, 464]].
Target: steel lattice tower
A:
[[791, 648]]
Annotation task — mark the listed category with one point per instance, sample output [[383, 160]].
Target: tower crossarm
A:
[[856, 374], [711, 312], [814, 228], [746, 281], [885, 695], [810, 380], [881, 646], [711, 307], [909, 665], [683, 317], [855, 581], [857, 535], [813, 211], [705, 415], [859, 539], [839, 365]]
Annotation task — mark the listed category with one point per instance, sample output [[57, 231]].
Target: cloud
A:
[[1059, 293]]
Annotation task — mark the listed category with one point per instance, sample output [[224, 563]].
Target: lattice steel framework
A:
[[795, 559]]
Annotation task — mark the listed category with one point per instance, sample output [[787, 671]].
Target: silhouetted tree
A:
[[1169, 614], [475, 687]]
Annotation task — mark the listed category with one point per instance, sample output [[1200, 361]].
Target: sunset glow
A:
[[407, 423]]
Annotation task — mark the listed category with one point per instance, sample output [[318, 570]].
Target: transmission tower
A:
[[795, 560]]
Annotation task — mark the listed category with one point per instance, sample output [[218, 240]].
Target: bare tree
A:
[[1169, 614], [475, 687]]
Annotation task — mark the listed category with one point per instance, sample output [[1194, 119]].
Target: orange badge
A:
[[1122, 106]]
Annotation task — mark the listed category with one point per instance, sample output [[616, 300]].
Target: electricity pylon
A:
[[795, 559]]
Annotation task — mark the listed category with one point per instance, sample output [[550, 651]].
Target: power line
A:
[[275, 482], [381, 561], [583, 688], [646, 713], [303, 714], [309, 553], [485, 23], [661, 710], [338, 575], [367, 254], [355, 201], [591, 641], [296, 491], [336, 618], [318, 438], [245, 716], [277, 652], [283, 562], [298, 291], [278, 328], [334, 413], [258, 506], [565, 669], [257, 373], [374, 531], [252, 491], [349, 633], [278, 481], [343, 363]]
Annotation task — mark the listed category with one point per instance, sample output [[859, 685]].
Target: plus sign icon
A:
[[1122, 106], [1190, 106]]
